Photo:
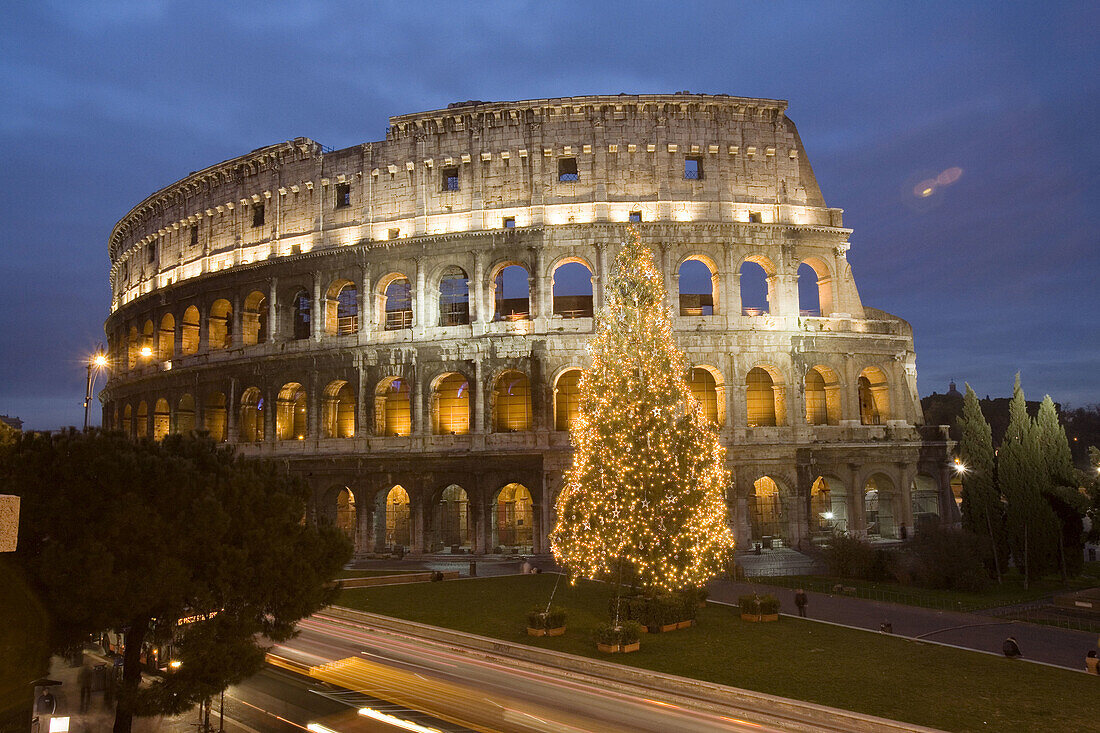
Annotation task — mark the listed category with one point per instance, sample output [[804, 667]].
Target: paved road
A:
[[483, 694], [1049, 644]]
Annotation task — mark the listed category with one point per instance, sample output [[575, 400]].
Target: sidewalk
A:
[[100, 716], [1049, 644]]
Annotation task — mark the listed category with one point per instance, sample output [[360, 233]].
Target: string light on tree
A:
[[648, 478]]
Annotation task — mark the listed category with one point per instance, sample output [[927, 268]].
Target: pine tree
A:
[[1061, 490], [982, 509], [1021, 473], [648, 478]]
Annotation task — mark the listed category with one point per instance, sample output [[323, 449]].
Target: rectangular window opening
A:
[[755, 217], [635, 217], [195, 236], [693, 168], [343, 195], [257, 215], [567, 170], [450, 179], [151, 253], [509, 222], [394, 233]]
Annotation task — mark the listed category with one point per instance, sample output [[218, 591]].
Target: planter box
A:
[[607, 648], [627, 648], [536, 632], [669, 627], [560, 631], [685, 624], [759, 617]]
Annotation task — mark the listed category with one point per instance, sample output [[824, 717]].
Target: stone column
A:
[[236, 337], [481, 533], [204, 328], [537, 533], [271, 409], [547, 512], [480, 313], [479, 397], [364, 418], [366, 304], [417, 403], [231, 434], [857, 520], [540, 293], [419, 527], [421, 312], [316, 310], [313, 407], [272, 311], [177, 340]]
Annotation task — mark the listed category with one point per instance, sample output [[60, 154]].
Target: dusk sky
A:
[[997, 272]]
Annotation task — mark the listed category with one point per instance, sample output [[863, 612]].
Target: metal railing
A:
[[397, 320]]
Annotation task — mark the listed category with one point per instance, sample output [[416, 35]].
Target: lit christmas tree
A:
[[648, 478]]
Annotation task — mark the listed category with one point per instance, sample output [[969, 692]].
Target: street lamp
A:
[[96, 363]]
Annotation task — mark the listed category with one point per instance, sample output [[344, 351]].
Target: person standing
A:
[[1091, 662], [84, 677], [800, 600]]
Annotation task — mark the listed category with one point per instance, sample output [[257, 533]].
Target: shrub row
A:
[[756, 605], [655, 611], [627, 632], [540, 618]]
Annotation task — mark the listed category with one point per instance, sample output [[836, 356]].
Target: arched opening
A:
[[220, 325], [925, 500], [392, 413], [166, 338], [451, 405], [302, 317], [511, 403], [342, 309], [708, 393], [398, 528], [756, 286], [133, 347], [573, 290], [290, 413], [822, 396], [879, 506], [698, 287], [767, 511], [513, 519], [189, 331], [454, 297], [815, 289], [251, 423], [162, 419], [214, 416], [185, 415], [874, 397], [128, 421], [822, 516], [345, 513], [397, 304], [512, 294], [148, 337], [142, 420], [455, 521], [254, 319], [338, 419], [567, 398], [764, 397]]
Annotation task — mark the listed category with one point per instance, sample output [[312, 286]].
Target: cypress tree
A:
[[1032, 526], [1060, 490], [982, 510]]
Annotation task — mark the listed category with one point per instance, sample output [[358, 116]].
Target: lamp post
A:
[[97, 362]]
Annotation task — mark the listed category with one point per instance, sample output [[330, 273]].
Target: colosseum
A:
[[402, 323]]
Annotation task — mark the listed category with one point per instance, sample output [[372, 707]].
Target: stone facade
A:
[[389, 320]]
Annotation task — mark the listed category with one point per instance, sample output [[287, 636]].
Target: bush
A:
[[848, 556], [949, 559], [769, 604], [539, 618], [627, 632], [755, 605]]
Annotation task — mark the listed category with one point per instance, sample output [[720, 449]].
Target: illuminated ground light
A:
[[391, 720], [318, 728]]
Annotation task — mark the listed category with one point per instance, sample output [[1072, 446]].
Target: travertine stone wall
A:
[[366, 215]]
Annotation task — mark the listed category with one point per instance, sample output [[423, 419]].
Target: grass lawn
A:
[[862, 671], [1009, 592]]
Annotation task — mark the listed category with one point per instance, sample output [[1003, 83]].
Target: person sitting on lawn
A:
[[1011, 648]]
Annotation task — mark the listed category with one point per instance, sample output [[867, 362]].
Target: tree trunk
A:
[[131, 675]]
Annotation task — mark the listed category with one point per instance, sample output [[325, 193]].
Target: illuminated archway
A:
[[162, 419], [451, 405], [708, 392], [345, 513], [142, 419], [254, 319], [880, 506], [822, 396], [757, 279], [189, 331], [219, 326], [251, 424], [214, 416], [567, 398], [455, 519], [291, 418], [392, 411], [398, 526], [395, 295], [513, 518], [166, 338], [454, 297], [185, 415], [874, 396], [572, 290], [765, 398], [767, 514], [698, 285], [512, 294], [338, 419], [511, 403]]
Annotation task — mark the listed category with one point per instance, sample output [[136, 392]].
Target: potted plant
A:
[[688, 607], [546, 622], [758, 608], [625, 637]]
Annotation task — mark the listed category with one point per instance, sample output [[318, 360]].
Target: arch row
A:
[[702, 283], [506, 400]]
